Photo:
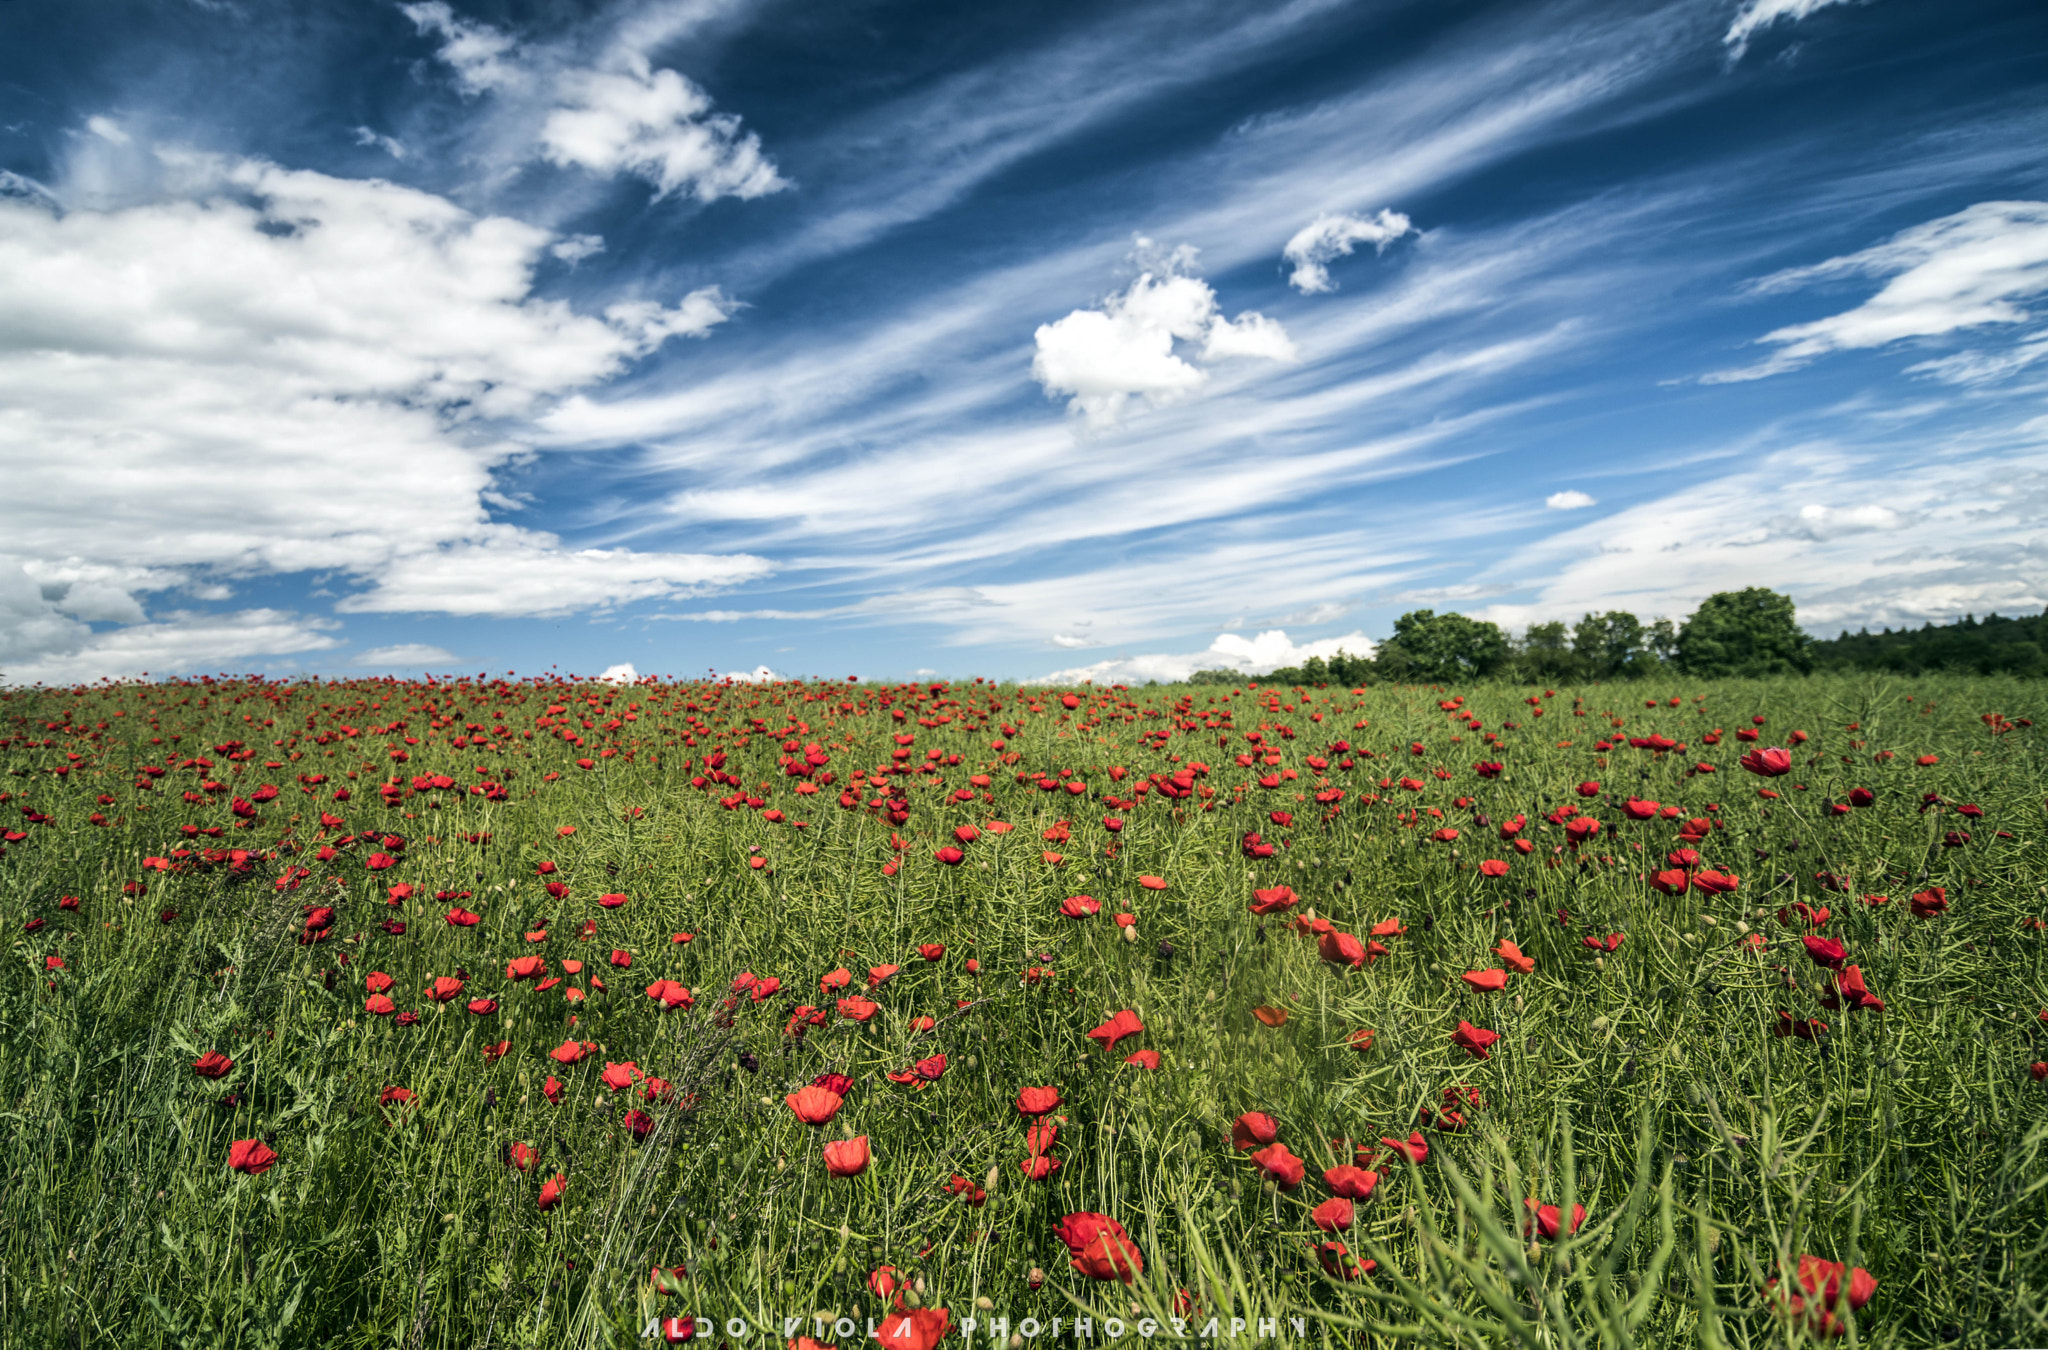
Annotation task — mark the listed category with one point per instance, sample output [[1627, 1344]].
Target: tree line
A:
[[1746, 633]]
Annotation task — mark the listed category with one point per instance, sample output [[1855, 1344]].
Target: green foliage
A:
[[1749, 633], [1644, 1082], [1428, 646], [1991, 646]]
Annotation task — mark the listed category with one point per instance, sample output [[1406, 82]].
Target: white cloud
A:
[[107, 130], [1761, 14], [1250, 334], [33, 649], [1268, 651], [1332, 236], [390, 145], [405, 656], [577, 247], [482, 57], [1961, 271], [622, 673], [620, 116], [1105, 357], [280, 370], [1571, 499], [1982, 368], [658, 126], [1821, 523], [762, 674], [1960, 531], [523, 572]]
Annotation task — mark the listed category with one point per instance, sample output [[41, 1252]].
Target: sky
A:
[[1053, 341]]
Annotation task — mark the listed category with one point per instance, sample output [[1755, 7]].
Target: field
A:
[[476, 1012]]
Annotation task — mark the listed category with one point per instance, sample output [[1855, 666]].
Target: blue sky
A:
[[1102, 341]]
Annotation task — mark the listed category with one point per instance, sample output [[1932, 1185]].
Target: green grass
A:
[[1647, 1084]]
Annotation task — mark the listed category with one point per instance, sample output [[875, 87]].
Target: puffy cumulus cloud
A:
[[1252, 656], [1571, 499], [761, 674], [622, 673], [1757, 15], [1963, 271], [522, 572], [658, 126], [482, 57], [1125, 349], [619, 116], [1330, 237], [404, 656], [278, 370]]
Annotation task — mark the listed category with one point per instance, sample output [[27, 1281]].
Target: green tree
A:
[[1431, 646], [1545, 653], [1746, 632], [1619, 646]]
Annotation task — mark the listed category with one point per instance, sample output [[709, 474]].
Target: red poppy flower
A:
[[1673, 882], [670, 994], [1037, 1101], [1253, 1129], [857, 1009], [1825, 951], [611, 901], [1772, 763], [1125, 1023], [251, 1156], [1144, 1059], [520, 1156], [836, 979], [1822, 1287], [1493, 867], [931, 951], [950, 856], [1415, 1149], [879, 975], [1038, 1168], [1486, 981], [444, 989], [1333, 1215], [1850, 992], [1361, 1040], [1339, 1264], [1341, 949], [1546, 1220], [1353, 1183], [914, 1328], [1512, 956], [1279, 1164], [551, 1193], [1100, 1247], [483, 1007], [1273, 899], [1080, 906], [1930, 903], [814, 1105], [1474, 1040], [1152, 883], [525, 968], [847, 1157], [212, 1064], [379, 1005], [1389, 928]]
